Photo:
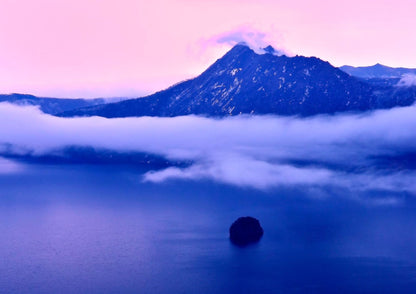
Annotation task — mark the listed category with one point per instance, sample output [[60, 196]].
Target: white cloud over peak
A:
[[256, 39]]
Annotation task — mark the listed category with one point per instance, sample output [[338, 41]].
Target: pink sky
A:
[[110, 48]]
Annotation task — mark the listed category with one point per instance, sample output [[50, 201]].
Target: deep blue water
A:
[[85, 229]]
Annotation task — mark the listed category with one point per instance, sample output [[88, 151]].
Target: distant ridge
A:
[[377, 71], [50, 105]]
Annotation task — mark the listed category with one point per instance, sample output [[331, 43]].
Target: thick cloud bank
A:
[[373, 151]]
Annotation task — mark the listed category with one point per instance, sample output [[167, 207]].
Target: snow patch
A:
[[234, 71]]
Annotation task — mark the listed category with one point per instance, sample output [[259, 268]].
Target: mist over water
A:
[[143, 205], [359, 152]]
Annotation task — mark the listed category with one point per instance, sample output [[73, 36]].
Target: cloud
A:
[[359, 152], [255, 39], [407, 80], [243, 171], [8, 166]]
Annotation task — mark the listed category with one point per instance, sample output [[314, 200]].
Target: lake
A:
[[101, 229]]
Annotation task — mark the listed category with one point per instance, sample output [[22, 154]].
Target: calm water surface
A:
[[83, 229]]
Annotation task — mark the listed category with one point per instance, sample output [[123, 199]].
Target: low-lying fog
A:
[[358, 152]]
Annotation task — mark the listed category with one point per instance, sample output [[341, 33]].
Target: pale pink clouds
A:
[[116, 48]]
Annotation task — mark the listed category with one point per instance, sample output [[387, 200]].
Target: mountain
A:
[[392, 86], [378, 71], [50, 105], [244, 82]]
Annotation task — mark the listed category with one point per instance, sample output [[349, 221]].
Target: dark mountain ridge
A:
[[245, 82], [378, 71], [50, 105]]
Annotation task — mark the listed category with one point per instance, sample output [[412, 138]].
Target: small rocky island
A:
[[245, 230]]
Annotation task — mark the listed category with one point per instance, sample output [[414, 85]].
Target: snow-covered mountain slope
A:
[[245, 82]]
